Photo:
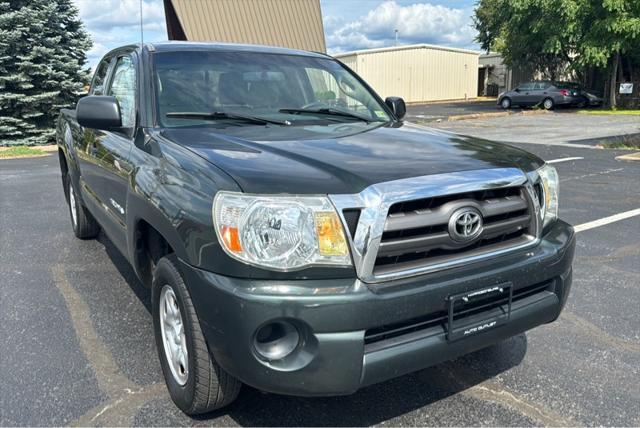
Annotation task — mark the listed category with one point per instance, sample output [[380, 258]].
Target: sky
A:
[[348, 24]]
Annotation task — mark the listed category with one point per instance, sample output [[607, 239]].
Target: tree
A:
[[611, 30], [552, 36], [42, 54], [532, 34]]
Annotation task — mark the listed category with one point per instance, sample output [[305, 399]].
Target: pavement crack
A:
[[490, 390], [121, 409], [593, 174], [107, 407], [599, 334], [495, 392]]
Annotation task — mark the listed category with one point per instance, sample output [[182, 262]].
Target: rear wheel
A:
[[196, 383], [548, 104], [83, 224], [505, 103]]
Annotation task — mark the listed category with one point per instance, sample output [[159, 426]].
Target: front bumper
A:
[[336, 318]]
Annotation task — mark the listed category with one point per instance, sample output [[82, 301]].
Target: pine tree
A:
[[42, 54]]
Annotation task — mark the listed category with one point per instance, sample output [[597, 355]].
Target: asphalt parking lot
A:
[[555, 127], [78, 344], [552, 128]]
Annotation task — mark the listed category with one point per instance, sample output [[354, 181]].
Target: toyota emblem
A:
[[465, 224]]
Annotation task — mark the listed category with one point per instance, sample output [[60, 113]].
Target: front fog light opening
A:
[[276, 340]]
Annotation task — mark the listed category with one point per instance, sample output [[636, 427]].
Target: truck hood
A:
[[345, 163]]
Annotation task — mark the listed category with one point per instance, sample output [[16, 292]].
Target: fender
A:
[[167, 178], [66, 131]]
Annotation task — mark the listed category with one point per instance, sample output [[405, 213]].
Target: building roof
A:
[[406, 47], [288, 23]]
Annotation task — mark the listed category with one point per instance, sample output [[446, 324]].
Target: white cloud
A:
[[106, 14], [113, 23], [416, 23]]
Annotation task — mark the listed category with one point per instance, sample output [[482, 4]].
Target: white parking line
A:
[[564, 159], [611, 219]]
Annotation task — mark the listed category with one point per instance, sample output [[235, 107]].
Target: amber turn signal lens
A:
[[331, 241], [231, 239]]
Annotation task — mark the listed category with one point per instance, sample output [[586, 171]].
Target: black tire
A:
[[208, 387], [83, 224], [548, 104], [505, 103]]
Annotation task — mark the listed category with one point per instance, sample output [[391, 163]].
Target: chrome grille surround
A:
[[374, 203]]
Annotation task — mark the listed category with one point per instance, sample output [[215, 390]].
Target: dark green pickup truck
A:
[[296, 234]]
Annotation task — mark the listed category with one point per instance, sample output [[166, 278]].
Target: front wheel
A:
[[196, 383], [505, 103]]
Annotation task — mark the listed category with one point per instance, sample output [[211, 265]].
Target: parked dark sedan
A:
[[545, 93]]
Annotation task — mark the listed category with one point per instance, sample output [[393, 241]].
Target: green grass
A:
[[19, 151], [611, 112]]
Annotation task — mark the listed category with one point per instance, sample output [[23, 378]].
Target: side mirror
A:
[[397, 106], [517, 89], [99, 112]]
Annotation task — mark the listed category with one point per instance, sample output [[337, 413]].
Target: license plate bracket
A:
[[465, 310]]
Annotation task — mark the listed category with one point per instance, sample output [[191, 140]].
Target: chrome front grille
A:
[[402, 228], [416, 232]]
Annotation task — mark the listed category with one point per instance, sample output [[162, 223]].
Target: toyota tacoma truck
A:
[[296, 234]]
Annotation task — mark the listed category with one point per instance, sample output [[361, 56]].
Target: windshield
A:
[[247, 89]]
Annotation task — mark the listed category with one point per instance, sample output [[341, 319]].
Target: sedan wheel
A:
[[505, 103], [548, 104]]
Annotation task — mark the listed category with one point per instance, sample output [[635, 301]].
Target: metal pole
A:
[[141, 29], [396, 31]]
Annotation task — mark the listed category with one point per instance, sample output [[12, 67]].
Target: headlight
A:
[[549, 202], [280, 232]]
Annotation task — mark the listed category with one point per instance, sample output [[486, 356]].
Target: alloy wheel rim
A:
[[548, 104], [72, 204], [173, 338], [505, 103]]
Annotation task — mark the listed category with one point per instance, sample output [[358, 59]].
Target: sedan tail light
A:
[[564, 92]]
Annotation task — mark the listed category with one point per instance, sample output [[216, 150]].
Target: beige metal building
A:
[[289, 23], [494, 76], [417, 73]]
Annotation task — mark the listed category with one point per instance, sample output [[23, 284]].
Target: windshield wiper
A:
[[328, 111], [217, 115]]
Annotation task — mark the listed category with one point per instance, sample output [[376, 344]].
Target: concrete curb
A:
[[455, 118], [606, 142], [629, 157]]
